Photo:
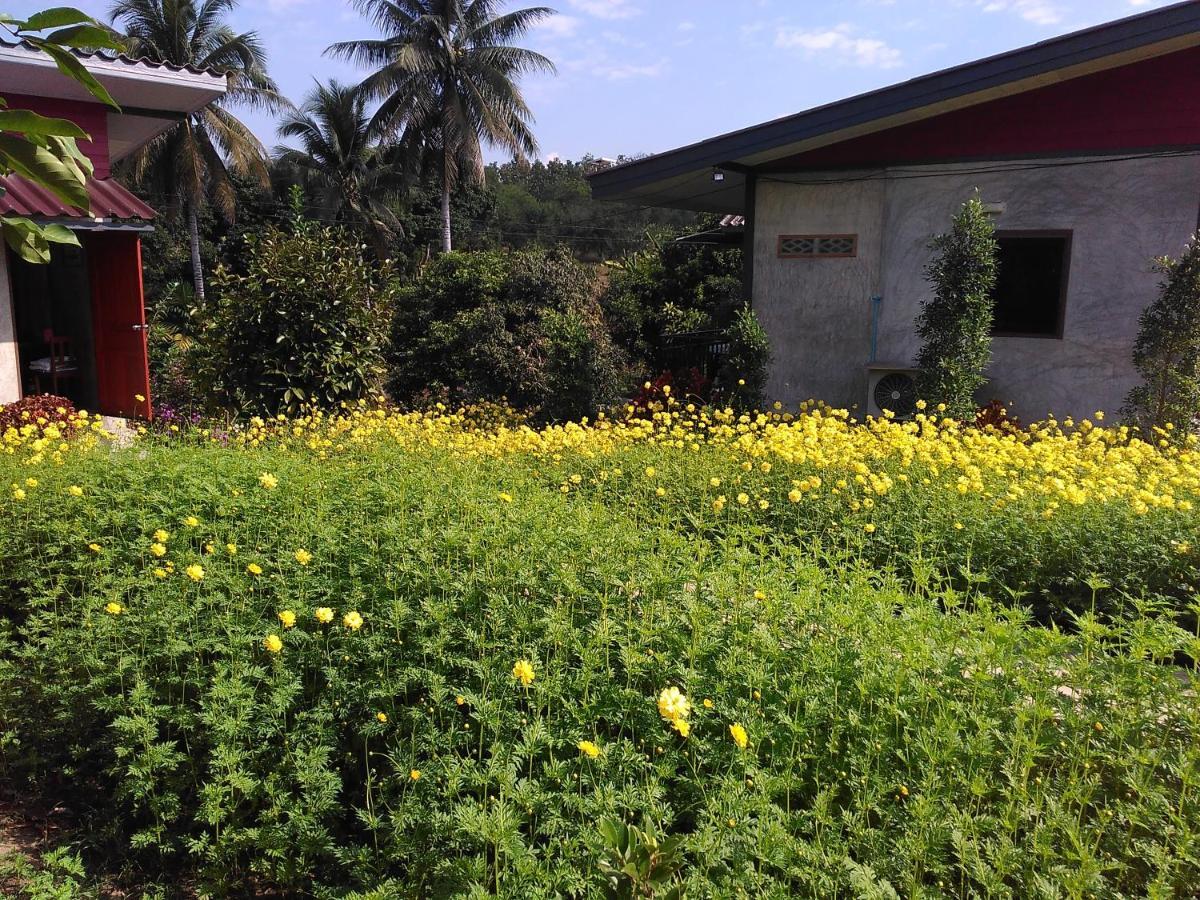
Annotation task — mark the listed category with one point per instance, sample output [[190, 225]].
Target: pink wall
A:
[[91, 117]]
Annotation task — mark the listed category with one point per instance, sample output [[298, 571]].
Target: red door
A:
[[119, 323]]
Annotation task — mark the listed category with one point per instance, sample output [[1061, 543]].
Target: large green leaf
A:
[[28, 122], [31, 241], [89, 36], [58, 17], [73, 68], [45, 168]]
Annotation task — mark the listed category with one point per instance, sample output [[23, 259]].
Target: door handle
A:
[[141, 327]]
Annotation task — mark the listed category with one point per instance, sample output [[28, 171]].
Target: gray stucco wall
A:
[[1122, 213]]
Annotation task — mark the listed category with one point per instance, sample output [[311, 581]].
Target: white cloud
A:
[[686, 26], [625, 71], [841, 42], [1039, 12], [607, 9], [277, 6], [558, 26]]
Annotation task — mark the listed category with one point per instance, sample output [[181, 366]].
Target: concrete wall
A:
[[1123, 213], [10, 367]]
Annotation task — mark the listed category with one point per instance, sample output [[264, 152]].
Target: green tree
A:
[[1167, 350], [191, 162], [956, 325], [446, 74], [350, 174], [43, 150]]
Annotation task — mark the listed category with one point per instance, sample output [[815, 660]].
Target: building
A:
[[1084, 148], [79, 323]]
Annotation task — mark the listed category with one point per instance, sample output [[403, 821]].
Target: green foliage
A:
[[906, 736], [743, 376], [1167, 350], [44, 150], [668, 288], [955, 326], [525, 326], [306, 323], [58, 875], [638, 864]]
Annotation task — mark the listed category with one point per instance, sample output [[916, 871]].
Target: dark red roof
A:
[[109, 201]]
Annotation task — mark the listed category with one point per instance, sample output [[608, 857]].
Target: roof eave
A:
[[1167, 28]]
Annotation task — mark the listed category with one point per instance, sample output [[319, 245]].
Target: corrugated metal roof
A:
[[109, 201], [124, 59]]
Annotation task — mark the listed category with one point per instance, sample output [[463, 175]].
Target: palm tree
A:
[[354, 176], [191, 162], [446, 75]]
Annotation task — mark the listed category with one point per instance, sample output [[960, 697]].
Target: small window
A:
[[1031, 284], [817, 246]]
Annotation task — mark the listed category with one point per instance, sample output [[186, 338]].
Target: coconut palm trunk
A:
[[447, 237], [193, 222]]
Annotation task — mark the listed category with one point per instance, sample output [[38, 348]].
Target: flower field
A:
[[381, 655]]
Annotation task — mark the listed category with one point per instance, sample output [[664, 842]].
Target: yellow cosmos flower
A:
[[303, 557], [505, 497], [588, 749], [254, 569], [869, 528], [191, 522], [273, 643], [158, 549], [194, 572], [113, 608], [714, 482], [94, 547], [18, 494], [682, 726], [523, 671], [673, 704], [231, 549], [381, 718], [415, 774], [708, 704], [160, 573], [743, 499], [140, 398], [75, 490], [460, 700], [650, 473], [738, 733], [162, 536], [288, 618], [352, 620], [268, 481], [324, 615]]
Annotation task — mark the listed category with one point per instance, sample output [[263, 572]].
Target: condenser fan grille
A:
[[897, 393]]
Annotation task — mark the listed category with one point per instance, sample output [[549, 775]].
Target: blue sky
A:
[[639, 76]]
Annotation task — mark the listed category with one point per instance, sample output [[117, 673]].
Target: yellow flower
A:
[[231, 549], [660, 492], [75, 490], [194, 572], [415, 774], [523, 671], [738, 733], [113, 608], [682, 726], [714, 482], [140, 398], [795, 495], [303, 557], [31, 482], [381, 718], [254, 569], [869, 528], [94, 547], [268, 481], [18, 494], [650, 473], [506, 497], [708, 704], [158, 549], [588, 749], [673, 704], [288, 618], [191, 522], [324, 615], [460, 700], [160, 573], [273, 643], [352, 620], [162, 536], [743, 499]]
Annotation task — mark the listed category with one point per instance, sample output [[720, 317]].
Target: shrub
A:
[[955, 326], [1167, 350], [524, 326], [742, 379], [39, 409], [305, 325]]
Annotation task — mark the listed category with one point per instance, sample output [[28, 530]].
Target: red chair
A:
[[60, 365]]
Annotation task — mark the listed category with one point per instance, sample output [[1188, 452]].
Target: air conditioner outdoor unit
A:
[[891, 387]]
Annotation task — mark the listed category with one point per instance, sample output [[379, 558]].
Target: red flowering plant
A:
[[41, 410]]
